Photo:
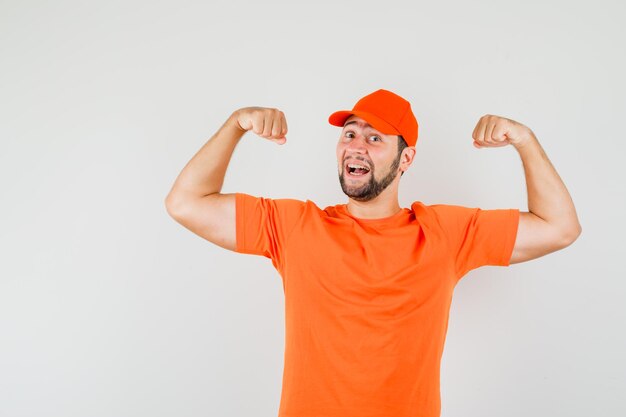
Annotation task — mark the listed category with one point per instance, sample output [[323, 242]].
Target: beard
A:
[[368, 190]]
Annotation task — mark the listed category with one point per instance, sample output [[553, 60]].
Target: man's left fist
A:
[[495, 131]]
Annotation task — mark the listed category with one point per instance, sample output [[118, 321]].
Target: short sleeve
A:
[[478, 237], [264, 225]]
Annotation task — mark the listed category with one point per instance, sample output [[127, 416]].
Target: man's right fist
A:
[[266, 122]]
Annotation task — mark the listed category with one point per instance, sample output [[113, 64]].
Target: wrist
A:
[[233, 123], [525, 140]]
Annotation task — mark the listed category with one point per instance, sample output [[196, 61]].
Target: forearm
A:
[[548, 197], [204, 173]]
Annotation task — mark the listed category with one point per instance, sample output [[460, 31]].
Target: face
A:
[[362, 144]]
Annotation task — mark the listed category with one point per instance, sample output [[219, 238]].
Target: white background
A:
[[108, 307]]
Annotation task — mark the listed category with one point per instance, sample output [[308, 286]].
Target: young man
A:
[[368, 284]]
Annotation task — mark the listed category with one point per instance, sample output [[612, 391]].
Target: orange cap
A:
[[387, 112]]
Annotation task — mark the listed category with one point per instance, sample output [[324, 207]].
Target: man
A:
[[368, 284]]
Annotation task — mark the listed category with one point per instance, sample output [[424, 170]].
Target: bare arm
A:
[[551, 223], [204, 173], [195, 200]]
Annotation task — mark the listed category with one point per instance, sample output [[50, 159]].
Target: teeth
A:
[[358, 166]]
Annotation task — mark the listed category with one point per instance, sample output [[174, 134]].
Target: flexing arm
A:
[[551, 223], [195, 200]]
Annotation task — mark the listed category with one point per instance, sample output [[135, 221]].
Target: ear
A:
[[408, 154]]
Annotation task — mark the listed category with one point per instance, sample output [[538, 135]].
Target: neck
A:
[[385, 205]]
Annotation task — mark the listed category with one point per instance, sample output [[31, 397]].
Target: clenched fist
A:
[[266, 122], [495, 131]]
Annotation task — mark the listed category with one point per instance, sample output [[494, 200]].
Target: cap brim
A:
[[338, 118]]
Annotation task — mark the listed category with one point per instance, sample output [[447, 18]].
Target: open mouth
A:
[[356, 170]]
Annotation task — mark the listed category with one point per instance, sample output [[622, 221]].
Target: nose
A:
[[357, 143], [356, 148]]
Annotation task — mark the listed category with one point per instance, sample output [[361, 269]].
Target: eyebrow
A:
[[362, 124], [365, 125]]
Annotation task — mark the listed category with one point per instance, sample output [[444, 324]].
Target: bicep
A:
[[535, 238], [212, 217]]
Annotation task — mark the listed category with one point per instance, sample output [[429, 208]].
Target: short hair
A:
[[401, 145]]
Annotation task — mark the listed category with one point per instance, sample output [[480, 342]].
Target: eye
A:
[[347, 134]]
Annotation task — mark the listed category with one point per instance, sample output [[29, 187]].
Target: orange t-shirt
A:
[[367, 300]]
